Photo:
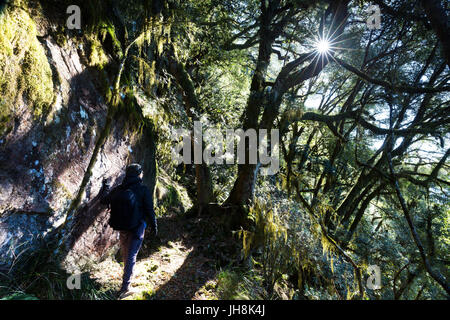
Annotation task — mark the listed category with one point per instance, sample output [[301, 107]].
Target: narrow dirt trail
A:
[[169, 267]]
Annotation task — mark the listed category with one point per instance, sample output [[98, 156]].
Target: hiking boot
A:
[[122, 293]]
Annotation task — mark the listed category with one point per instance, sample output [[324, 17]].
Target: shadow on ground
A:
[[187, 253]]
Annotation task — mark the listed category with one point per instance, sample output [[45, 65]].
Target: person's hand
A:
[[105, 182]]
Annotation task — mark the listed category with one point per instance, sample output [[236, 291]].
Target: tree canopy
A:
[[363, 116]]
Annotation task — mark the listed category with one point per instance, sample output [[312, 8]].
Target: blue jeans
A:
[[130, 243]]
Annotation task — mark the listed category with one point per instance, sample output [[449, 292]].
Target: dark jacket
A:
[[145, 199]]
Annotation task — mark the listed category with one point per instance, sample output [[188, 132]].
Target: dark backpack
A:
[[125, 212]]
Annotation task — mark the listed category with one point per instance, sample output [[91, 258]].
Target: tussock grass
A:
[[37, 275]]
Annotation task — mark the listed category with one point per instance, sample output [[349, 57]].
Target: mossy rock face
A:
[[170, 196], [97, 56], [26, 74]]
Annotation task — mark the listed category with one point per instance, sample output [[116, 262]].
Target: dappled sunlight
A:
[[114, 112], [149, 273], [170, 267]]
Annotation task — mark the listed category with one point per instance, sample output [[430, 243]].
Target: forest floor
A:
[[173, 265]]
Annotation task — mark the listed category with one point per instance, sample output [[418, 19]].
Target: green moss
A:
[[170, 200], [5, 117], [143, 295], [173, 197], [97, 56], [56, 185], [107, 28], [240, 284], [127, 108], [26, 76]]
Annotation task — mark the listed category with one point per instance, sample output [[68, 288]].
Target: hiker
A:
[[131, 210]]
